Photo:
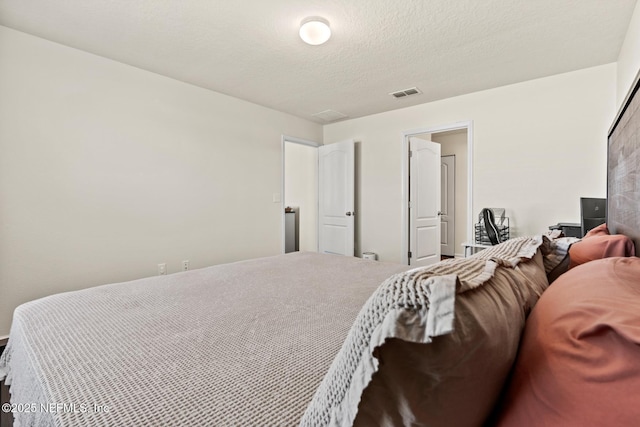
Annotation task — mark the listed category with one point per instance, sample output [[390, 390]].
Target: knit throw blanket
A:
[[414, 306]]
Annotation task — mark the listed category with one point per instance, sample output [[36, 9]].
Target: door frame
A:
[[284, 140], [404, 223]]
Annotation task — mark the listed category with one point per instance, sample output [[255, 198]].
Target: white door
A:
[[424, 202], [447, 205], [336, 214]]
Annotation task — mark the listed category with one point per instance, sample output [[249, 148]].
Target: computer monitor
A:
[[593, 212]]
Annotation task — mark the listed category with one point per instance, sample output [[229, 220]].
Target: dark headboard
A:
[[623, 169]]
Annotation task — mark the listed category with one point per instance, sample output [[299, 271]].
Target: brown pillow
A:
[[456, 379], [578, 361], [599, 245], [433, 346]]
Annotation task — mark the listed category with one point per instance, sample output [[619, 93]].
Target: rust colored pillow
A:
[[578, 362], [598, 246], [600, 230]]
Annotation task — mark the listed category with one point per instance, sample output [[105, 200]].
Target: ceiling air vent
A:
[[329, 115], [405, 92]]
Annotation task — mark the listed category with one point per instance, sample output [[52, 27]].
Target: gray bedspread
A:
[[242, 344]]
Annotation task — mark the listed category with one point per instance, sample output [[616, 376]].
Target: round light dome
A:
[[315, 31]]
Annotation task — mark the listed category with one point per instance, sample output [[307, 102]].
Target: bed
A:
[[284, 340], [298, 339]]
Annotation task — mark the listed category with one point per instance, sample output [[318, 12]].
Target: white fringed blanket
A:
[[417, 306]]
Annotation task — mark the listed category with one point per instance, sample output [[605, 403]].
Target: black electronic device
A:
[[593, 212]]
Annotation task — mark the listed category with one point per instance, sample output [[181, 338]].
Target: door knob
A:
[[350, 213]]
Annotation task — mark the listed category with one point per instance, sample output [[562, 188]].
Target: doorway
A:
[[299, 195], [318, 193], [455, 140]]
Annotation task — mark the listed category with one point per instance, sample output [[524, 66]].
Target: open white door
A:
[[336, 198], [424, 202], [447, 206]]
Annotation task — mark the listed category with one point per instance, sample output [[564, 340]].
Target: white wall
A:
[[107, 170], [538, 147], [629, 57], [301, 190]]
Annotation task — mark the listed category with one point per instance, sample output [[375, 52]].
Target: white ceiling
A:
[[250, 49]]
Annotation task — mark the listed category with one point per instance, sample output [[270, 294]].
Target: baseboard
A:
[[3, 340]]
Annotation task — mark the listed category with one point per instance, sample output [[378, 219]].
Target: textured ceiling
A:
[[250, 49]]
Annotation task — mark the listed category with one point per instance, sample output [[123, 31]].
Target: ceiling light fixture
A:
[[315, 30]]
